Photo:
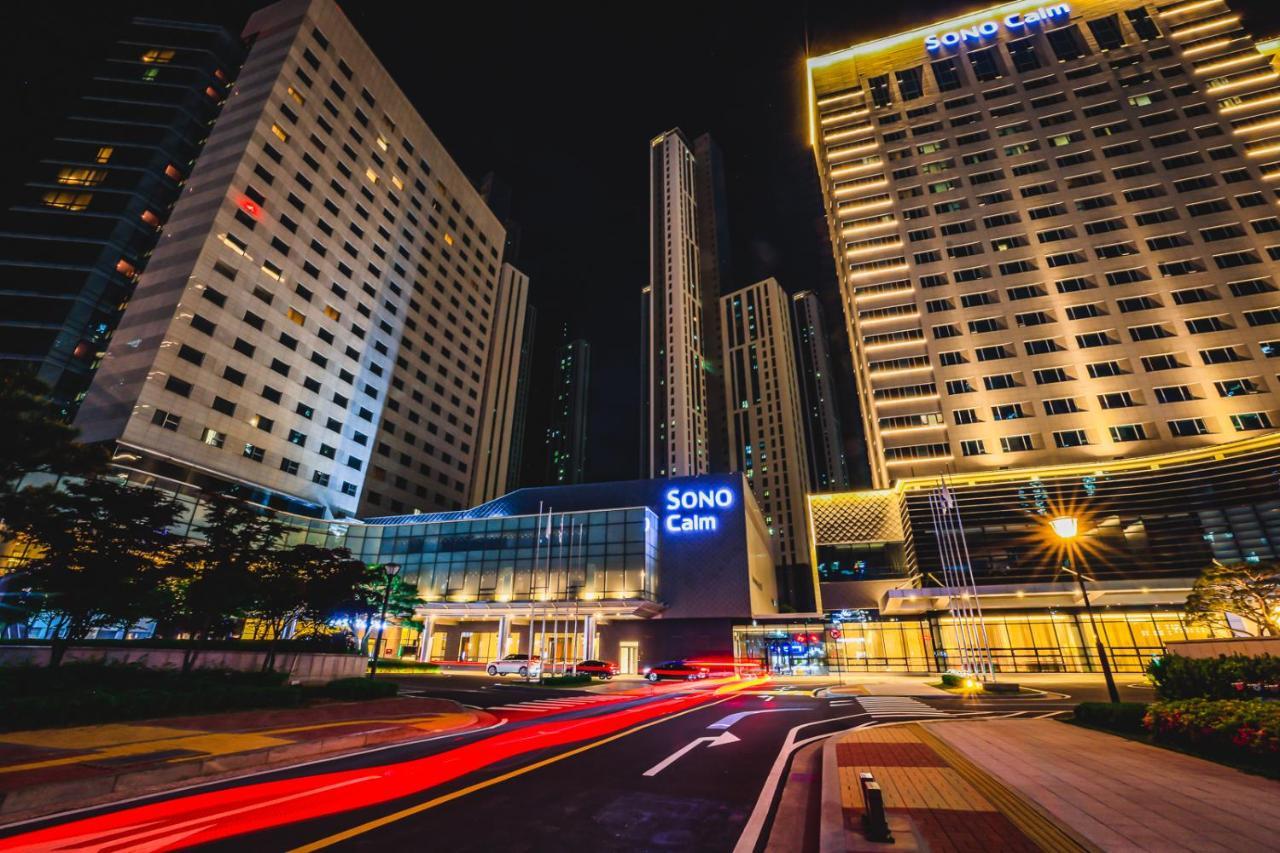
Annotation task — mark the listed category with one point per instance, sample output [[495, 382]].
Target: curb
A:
[[831, 832], [38, 801]]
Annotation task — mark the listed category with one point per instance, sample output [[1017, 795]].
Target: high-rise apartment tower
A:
[[823, 437]]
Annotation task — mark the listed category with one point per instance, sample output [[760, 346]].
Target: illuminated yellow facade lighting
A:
[[1188, 7], [1230, 62], [1263, 77], [860, 188], [1255, 102], [1205, 47], [899, 371], [837, 135], [866, 205], [917, 399], [1256, 126], [871, 250], [845, 116], [894, 269], [870, 321], [893, 345], [918, 459], [906, 291], [1207, 26], [828, 100], [891, 431], [851, 230], [1264, 151]]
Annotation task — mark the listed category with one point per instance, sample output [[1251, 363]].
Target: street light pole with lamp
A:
[[1067, 528], [390, 570]]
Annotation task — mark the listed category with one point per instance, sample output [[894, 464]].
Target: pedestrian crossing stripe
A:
[[551, 704]]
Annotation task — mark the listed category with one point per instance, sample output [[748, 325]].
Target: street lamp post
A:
[[1066, 528], [390, 570]]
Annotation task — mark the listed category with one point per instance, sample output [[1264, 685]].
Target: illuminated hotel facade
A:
[[1056, 234]]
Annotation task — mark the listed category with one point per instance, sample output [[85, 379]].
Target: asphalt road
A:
[[684, 770]]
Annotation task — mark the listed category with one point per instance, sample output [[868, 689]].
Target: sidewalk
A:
[[48, 770], [1032, 784]]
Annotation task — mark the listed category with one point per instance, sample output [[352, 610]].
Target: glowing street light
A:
[[1066, 528]]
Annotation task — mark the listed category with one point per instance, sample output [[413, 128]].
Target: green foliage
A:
[[565, 680], [1123, 717], [1180, 677], [391, 665], [357, 689], [952, 679], [105, 551], [362, 608], [1251, 590], [34, 436], [37, 697], [1249, 728]]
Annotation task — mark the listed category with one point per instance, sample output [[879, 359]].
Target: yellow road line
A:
[[488, 783]]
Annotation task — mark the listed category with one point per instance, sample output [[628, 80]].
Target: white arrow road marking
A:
[[726, 737], [837, 703], [728, 721]]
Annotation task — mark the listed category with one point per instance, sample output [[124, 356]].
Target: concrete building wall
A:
[[501, 389]]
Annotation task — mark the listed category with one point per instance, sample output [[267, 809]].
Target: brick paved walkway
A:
[[933, 799], [1117, 793]]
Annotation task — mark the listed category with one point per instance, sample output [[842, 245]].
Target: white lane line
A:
[[728, 721]]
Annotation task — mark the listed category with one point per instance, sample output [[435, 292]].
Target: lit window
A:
[[213, 438], [296, 316], [67, 200], [158, 55], [150, 218], [104, 154], [395, 179], [280, 133], [371, 175], [332, 313], [448, 238], [172, 172], [382, 143], [297, 96], [73, 176], [272, 270]]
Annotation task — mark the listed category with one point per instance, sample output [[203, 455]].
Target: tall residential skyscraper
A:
[[72, 248], [714, 278], [520, 425], [823, 436], [501, 388], [675, 428], [766, 426], [318, 321], [567, 433], [1056, 233]]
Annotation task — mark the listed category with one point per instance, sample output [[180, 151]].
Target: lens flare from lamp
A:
[[1065, 526]]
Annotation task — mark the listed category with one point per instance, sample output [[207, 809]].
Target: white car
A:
[[522, 665]]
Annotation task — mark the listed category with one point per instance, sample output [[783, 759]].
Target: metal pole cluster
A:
[[957, 574]]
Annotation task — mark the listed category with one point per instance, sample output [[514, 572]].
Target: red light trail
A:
[[201, 818]]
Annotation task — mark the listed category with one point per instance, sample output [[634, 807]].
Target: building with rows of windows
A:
[[327, 314], [1056, 233]]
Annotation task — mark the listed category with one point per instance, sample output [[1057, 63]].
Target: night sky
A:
[[561, 101]]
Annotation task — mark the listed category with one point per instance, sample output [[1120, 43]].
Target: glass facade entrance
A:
[[1031, 641]]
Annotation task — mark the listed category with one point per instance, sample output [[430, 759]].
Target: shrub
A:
[[391, 665], [566, 680], [1223, 677], [356, 689], [1245, 727], [952, 679], [1113, 716]]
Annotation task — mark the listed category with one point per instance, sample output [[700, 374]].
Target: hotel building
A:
[[1056, 233], [823, 435], [84, 227], [321, 315]]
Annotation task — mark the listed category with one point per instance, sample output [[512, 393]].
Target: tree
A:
[[35, 437], [303, 583], [361, 611], [213, 586], [1250, 590], [104, 553]]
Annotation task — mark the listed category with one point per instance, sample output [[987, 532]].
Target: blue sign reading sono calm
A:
[[695, 509], [1016, 22]]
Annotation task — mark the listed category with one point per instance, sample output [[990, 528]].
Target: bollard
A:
[[874, 825]]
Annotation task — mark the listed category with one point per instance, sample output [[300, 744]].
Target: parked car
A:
[[602, 669], [674, 669], [522, 665]]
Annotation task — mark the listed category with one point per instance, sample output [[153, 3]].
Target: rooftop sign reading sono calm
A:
[[1016, 22]]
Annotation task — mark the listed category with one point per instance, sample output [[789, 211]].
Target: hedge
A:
[[1245, 727], [566, 680], [1223, 677], [350, 689], [327, 644], [1124, 717]]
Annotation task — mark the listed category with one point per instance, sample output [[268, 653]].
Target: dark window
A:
[[986, 64], [911, 83], [1066, 43], [1142, 24], [947, 75], [1023, 53], [1106, 32]]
